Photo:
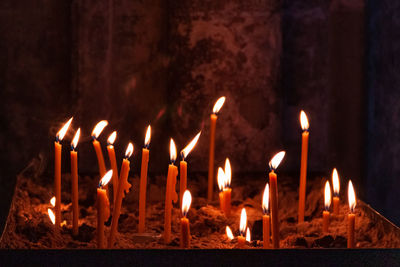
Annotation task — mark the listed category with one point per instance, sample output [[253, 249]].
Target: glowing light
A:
[[229, 233], [228, 174], [148, 137], [218, 105], [335, 182], [111, 138], [61, 133], [276, 160], [265, 200], [172, 151], [221, 179], [243, 222], [75, 141], [185, 152], [129, 151], [248, 235], [352, 197], [99, 128], [327, 195], [53, 201], [106, 178], [186, 201], [51, 216], [304, 121]]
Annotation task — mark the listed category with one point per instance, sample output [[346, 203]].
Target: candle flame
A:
[[304, 121], [53, 201], [172, 151], [185, 152], [75, 141], [221, 179], [248, 235], [335, 182], [243, 222], [265, 200], [111, 138], [228, 174], [61, 133], [129, 151], [148, 137], [186, 201], [352, 197], [51, 216], [276, 160], [229, 233], [106, 178], [99, 128], [327, 195], [218, 105]]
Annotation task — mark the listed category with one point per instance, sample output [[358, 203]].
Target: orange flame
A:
[[304, 121], [228, 174], [327, 195], [172, 151], [276, 160], [186, 201], [335, 182], [75, 141], [148, 137], [229, 233], [99, 128], [129, 151], [61, 133], [53, 201], [185, 152], [248, 235], [221, 179], [106, 178], [243, 222], [218, 105], [265, 200], [51, 216], [352, 197], [111, 138]]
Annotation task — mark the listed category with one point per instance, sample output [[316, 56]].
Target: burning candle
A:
[[273, 164], [242, 228], [74, 182], [227, 190], [336, 188], [170, 193], [97, 147], [303, 167], [221, 184], [351, 217], [229, 233], [183, 166], [214, 116], [57, 170], [248, 235], [325, 213], [103, 210], [113, 162], [185, 229], [143, 181], [266, 218], [123, 186]]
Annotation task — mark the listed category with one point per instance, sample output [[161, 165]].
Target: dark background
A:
[[166, 63]]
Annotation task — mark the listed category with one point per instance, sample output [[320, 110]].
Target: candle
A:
[[170, 193], [229, 233], [113, 163], [336, 188], [74, 182], [325, 213], [185, 229], [123, 186], [183, 166], [103, 210], [227, 190], [97, 147], [351, 217], [242, 228], [143, 182], [273, 164], [57, 170], [221, 184], [213, 121], [266, 218], [303, 166]]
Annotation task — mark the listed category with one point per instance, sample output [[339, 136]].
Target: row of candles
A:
[[121, 187]]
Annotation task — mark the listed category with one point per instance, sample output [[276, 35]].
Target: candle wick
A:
[[146, 146], [93, 137], [57, 139]]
